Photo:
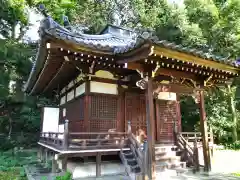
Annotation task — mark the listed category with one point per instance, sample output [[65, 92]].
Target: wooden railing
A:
[[196, 136], [135, 147], [187, 149], [190, 142], [84, 140]]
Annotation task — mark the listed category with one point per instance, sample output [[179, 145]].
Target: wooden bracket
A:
[[91, 68], [207, 80], [155, 70]]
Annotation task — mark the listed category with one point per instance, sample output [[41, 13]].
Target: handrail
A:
[[84, 140], [183, 145], [135, 147], [192, 136]]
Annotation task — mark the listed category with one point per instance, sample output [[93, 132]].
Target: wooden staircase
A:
[[131, 164]]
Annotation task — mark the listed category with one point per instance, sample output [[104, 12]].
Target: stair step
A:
[[168, 158], [128, 155], [160, 149], [135, 169], [132, 162]]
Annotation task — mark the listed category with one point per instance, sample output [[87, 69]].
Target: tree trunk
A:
[[234, 115]]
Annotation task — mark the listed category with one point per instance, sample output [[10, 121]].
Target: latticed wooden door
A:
[[167, 118], [135, 111]]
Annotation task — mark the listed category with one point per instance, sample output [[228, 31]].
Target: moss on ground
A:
[[12, 164]]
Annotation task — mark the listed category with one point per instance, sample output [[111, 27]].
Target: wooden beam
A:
[[193, 59], [98, 164], [204, 133], [176, 74], [174, 88], [134, 66], [150, 129]]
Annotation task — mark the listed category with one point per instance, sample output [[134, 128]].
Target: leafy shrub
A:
[[236, 174], [11, 164], [67, 176], [234, 146]]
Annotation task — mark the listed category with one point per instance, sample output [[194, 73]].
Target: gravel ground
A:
[[224, 163]]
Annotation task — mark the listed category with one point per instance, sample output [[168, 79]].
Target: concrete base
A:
[[81, 170]]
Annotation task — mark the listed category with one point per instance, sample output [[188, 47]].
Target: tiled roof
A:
[[195, 52], [117, 43], [105, 42]]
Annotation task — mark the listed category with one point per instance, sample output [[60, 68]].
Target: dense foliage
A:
[[211, 25]]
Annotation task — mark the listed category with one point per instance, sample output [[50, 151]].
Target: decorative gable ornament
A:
[[142, 83]]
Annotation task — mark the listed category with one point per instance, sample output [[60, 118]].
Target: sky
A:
[[35, 19]]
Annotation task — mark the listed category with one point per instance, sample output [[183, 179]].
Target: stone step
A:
[[165, 165], [165, 148], [168, 158]]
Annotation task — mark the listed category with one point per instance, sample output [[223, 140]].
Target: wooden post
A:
[[195, 156], [204, 133], [98, 164], [40, 153], [150, 129], [64, 163], [46, 157], [129, 129], [65, 136], [212, 141], [145, 158], [54, 163]]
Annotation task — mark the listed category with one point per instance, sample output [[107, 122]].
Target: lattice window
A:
[[103, 107]]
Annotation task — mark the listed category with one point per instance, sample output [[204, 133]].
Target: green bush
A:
[[234, 146], [67, 176]]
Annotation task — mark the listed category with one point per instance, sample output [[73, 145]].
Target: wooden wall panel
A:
[[135, 111], [74, 113]]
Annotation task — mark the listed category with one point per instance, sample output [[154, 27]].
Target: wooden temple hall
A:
[[118, 94]]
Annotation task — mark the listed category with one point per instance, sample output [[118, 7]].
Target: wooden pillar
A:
[[204, 133], [98, 164], [40, 153], [66, 136], [158, 125], [46, 157], [87, 105], [150, 129], [64, 163], [54, 163]]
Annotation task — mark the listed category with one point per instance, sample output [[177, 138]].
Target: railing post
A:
[[129, 130], [185, 150], [212, 141], [175, 132], [65, 135], [195, 156], [145, 160]]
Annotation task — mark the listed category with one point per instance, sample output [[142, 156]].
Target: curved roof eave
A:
[[39, 61]]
